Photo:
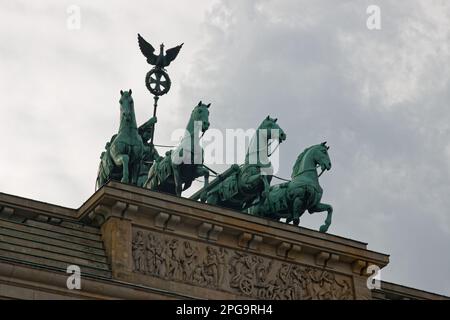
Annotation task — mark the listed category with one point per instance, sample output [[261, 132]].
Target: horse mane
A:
[[298, 161]]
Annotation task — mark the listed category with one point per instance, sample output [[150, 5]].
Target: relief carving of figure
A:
[[161, 260], [281, 285], [150, 247], [326, 282], [308, 284], [345, 291], [172, 261], [247, 274], [221, 260], [211, 267], [188, 260], [198, 276], [138, 249], [244, 272]]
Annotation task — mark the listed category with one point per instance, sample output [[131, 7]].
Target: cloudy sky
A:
[[379, 97]]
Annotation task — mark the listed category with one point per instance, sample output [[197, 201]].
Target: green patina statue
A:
[[247, 182], [130, 157], [150, 154], [157, 79], [127, 155], [291, 199], [181, 166]]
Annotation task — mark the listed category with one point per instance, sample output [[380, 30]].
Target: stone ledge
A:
[[192, 218], [282, 250], [25, 282]]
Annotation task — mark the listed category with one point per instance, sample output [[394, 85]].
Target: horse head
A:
[[321, 156], [201, 114], [310, 158], [126, 106], [272, 127]]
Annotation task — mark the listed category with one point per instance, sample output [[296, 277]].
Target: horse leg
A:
[[132, 172], [123, 160], [177, 179], [320, 208], [202, 171], [266, 186], [136, 164], [206, 176], [297, 211], [136, 172]]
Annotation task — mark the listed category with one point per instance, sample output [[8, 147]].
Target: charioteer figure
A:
[[150, 154]]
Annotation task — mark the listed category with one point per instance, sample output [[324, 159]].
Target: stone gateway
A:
[[134, 243]]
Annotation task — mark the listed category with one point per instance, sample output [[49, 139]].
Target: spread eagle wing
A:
[[171, 54], [147, 50]]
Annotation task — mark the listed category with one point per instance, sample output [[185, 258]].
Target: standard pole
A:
[[155, 105]]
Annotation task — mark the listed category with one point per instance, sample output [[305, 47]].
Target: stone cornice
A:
[[205, 222], [202, 221]]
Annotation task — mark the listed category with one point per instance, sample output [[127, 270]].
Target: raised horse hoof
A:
[[323, 228]]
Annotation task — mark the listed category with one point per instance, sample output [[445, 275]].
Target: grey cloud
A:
[[380, 98]]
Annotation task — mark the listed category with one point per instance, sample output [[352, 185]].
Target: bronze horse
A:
[[123, 154], [181, 166]]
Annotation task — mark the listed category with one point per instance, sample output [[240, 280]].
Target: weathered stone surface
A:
[[235, 271], [116, 234], [48, 245], [133, 243]]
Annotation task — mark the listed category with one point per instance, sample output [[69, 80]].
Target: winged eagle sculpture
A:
[[159, 61]]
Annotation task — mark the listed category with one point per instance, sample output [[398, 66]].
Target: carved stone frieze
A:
[[246, 274]]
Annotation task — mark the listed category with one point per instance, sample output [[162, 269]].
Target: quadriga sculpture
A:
[[181, 166], [291, 199], [248, 182]]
